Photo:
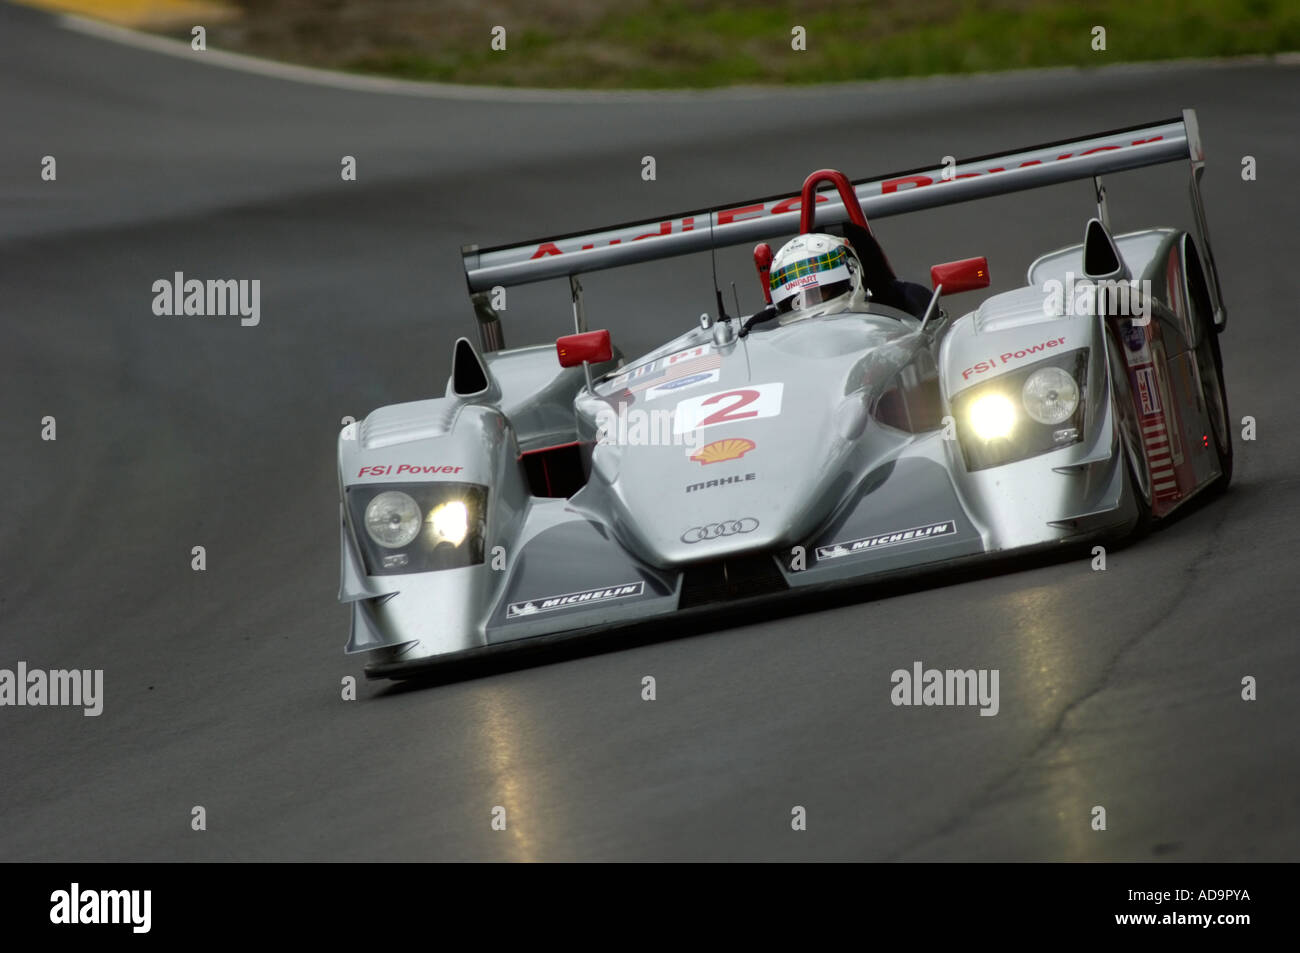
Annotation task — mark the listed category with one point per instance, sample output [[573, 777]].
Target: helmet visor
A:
[[811, 280], [812, 295]]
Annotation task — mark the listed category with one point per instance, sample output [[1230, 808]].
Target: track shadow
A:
[[719, 617]]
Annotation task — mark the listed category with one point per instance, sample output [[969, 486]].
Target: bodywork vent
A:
[[726, 579], [1011, 309], [404, 423], [555, 471]]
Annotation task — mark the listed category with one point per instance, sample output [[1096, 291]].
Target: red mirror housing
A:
[[592, 347], [965, 275], [763, 263]]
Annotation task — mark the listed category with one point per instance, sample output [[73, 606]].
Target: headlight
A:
[[392, 519], [418, 527], [992, 416], [1050, 395], [449, 522], [1023, 413]]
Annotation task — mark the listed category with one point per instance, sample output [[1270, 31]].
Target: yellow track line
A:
[[142, 13]]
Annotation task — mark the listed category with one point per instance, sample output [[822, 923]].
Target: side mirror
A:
[[968, 274], [592, 347], [763, 264]]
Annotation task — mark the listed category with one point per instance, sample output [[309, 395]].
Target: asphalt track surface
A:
[[222, 688]]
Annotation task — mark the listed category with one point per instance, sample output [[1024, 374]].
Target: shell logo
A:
[[720, 450]]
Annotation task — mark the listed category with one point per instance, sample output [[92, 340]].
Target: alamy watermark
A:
[[76, 906], [58, 687], [1087, 296], [634, 427], [932, 686], [215, 297]]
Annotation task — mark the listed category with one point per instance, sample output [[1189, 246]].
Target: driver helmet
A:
[[814, 275]]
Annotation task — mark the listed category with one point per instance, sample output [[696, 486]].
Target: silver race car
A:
[[849, 430]]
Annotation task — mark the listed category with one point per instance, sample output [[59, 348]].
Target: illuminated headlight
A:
[[449, 522], [992, 416], [392, 519], [1024, 412], [418, 527], [1050, 395]]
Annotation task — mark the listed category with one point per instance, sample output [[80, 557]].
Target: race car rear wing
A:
[[761, 219]]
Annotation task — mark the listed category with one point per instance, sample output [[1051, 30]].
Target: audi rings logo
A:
[[697, 534]]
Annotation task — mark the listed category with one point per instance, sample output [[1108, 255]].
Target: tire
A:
[[1209, 365], [1137, 474]]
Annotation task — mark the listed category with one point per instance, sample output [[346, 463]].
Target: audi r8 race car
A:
[[849, 430]]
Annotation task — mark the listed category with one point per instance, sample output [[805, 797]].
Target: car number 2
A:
[[727, 407]]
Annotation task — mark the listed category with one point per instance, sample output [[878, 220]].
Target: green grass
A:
[[690, 43]]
